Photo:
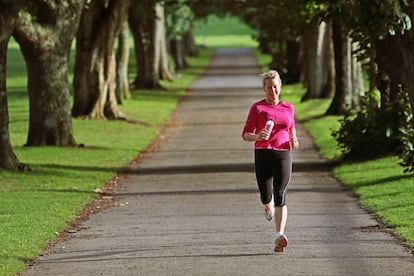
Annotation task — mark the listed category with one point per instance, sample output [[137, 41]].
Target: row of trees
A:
[[330, 46], [327, 45], [45, 30]]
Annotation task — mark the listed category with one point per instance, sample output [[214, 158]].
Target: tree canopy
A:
[[321, 43]]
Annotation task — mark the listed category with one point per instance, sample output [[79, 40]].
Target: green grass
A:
[[224, 32], [384, 191], [35, 206], [380, 184], [214, 25]]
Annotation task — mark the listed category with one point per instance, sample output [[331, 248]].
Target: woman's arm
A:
[[293, 139], [249, 131], [249, 136]]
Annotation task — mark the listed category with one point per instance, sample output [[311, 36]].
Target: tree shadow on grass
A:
[[78, 168], [383, 180]]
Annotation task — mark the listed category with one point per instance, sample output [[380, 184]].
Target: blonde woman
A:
[[272, 148]]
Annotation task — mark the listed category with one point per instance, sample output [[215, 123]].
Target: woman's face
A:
[[272, 91]]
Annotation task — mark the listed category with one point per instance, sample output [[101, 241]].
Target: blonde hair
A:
[[272, 74]]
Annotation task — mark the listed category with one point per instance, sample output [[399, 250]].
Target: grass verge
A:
[[380, 185], [35, 206], [224, 32]]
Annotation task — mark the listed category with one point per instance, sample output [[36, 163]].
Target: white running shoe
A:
[[280, 243], [269, 213]]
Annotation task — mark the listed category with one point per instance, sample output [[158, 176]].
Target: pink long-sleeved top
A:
[[282, 114]]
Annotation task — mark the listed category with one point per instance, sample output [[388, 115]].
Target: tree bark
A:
[[178, 54], [45, 33], [397, 66], [95, 67], [143, 33], [150, 47], [408, 65], [357, 79], [342, 72], [294, 54], [190, 44], [122, 57], [318, 66], [160, 52], [8, 159]]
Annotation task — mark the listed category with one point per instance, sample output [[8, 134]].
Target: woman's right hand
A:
[[264, 135], [249, 136]]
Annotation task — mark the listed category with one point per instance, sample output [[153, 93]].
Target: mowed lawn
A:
[[36, 206]]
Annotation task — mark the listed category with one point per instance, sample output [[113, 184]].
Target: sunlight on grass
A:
[[36, 205], [384, 190], [380, 184], [227, 41], [215, 32]]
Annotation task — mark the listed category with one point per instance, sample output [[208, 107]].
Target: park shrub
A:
[[407, 138], [374, 131]]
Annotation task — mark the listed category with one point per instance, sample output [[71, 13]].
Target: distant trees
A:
[[147, 24], [349, 88], [178, 19], [306, 49], [385, 33], [123, 91], [94, 83], [45, 31], [323, 44], [338, 40], [318, 63]]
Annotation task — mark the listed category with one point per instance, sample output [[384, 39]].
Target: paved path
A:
[[192, 208]]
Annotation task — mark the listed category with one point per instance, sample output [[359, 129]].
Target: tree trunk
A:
[[408, 64], [397, 65], [122, 57], [95, 73], [357, 79], [148, 30], [294, 55], [328, 79], [317, 61], [160, 51], [341, 102], [190, 44], [45, 35], [8, 160], [178, 54], [146, 77]]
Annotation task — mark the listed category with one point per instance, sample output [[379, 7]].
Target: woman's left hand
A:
[[294, 143]]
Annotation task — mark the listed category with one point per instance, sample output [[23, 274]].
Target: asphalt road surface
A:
[[191, 207]]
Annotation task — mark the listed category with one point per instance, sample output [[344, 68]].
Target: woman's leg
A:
[[281, 214], [264, 176], [281, 178]]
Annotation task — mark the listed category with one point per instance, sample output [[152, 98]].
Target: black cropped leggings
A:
[[273, 171]]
